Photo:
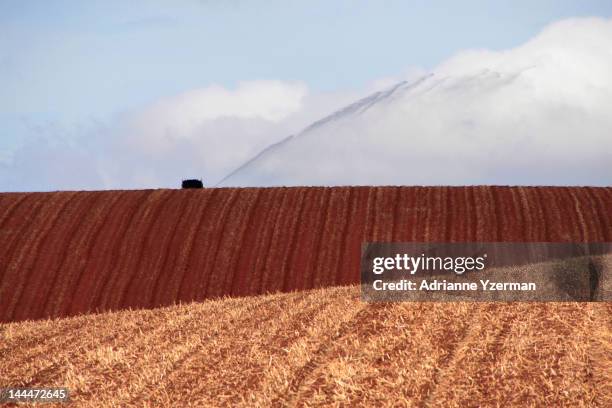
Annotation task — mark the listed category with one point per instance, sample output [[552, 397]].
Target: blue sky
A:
[[69, 65], [71, 59]]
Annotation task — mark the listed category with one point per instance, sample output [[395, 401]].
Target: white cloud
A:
[[270, 101], [208, 130], [203, 133], [535, 114]]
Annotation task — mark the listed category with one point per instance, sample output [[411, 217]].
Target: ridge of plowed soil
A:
[[66, 253]]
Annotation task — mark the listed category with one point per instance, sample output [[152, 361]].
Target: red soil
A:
[[66, 253]]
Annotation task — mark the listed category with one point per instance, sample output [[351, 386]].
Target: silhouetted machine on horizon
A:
[[192, 183]]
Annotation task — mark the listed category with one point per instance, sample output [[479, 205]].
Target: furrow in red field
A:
[[509, 215], [520, 215], [383, 216], [20, 269], [487, 217], [75, 299], [165, 250], [269, 281], [167, 262], [251, 256], [137, 250], [348, 264], [229, 249], [15, 226], [206, 242], [62, 242], [317, 263], [103, 263], [595, 228], [127, 254], [336, 254], [537, 209], [460, 224], [293, 238], [70, 269], [281, 238], [571, 229], [551, 217], [227, 227], [601, 211], [434, 227], [582, 206], [606, 200], [497, 221], [301, 262], [436, 217], [471, 225], [449, 216], [424, 221], [374, 217], [407, 215], [370, 215], [170, 286], [8, 205], [154, 247], [134, 249]]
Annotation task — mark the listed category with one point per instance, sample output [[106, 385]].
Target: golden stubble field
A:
[[321, 347]]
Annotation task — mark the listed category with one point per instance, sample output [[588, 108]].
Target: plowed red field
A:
[[65, 253], [321, 348]]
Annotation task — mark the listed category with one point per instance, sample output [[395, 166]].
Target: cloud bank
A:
[[535, 114], [538, 114], [203, 133]]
